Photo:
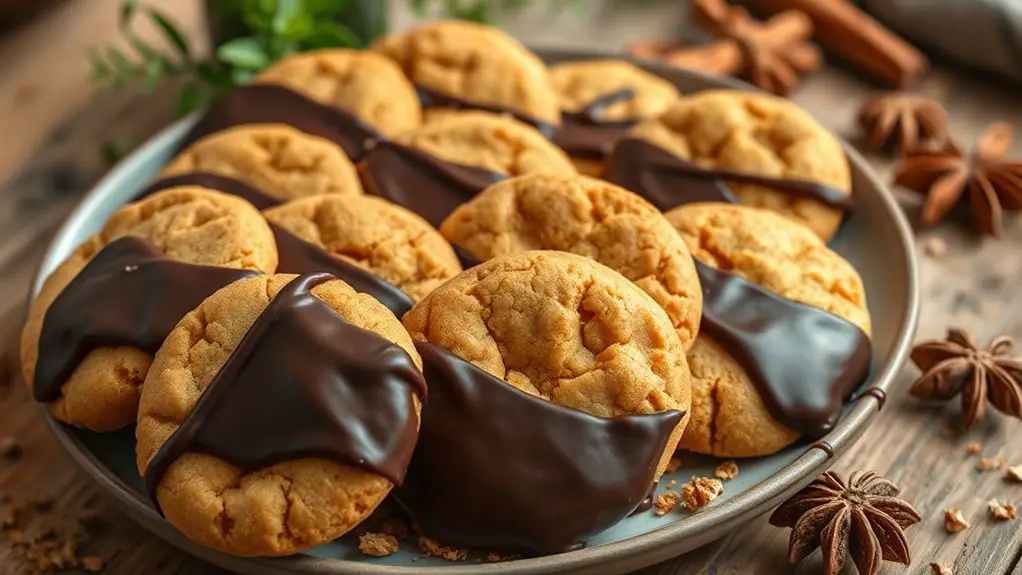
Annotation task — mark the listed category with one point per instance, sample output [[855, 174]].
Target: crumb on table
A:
[[430, 547], [700, 491], [665, 503], [377, 544]]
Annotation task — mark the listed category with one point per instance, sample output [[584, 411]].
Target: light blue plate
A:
[[876, 239]]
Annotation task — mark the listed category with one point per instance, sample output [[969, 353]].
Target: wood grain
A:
[[55, 158]]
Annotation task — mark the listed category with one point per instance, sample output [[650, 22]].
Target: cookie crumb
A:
[[973, 448], [673, 465], [988, 463], [93, 563], [396, 528], [9, 448], [954, 521], [935, 246], [938, 569], [494, 557], [700, 491], [672, 483], [377, 544], [998, 510], [1014, 473], [665, 503], [726, 471], [430, 547]]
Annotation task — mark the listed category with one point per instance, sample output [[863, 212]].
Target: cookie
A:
[[757, 134], [565, 328], [591, 218], [188, 224], [595, 109], [729, 417], [387, 240], [277, 159], [475, 65], [495, 143], [363, 83], [299, 501]]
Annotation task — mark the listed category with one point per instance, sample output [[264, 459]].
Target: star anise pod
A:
[[863, 517], [957, 366], [994, 184], [904, 121]]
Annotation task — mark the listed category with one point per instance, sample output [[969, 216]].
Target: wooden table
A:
[[50, 154]]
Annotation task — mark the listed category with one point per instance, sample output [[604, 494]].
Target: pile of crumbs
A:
[[431, 548], [46, 541], [377, 544], [700, 491]]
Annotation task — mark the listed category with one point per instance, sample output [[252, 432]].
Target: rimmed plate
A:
[[876, 239]]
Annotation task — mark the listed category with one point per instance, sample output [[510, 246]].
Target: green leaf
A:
[[99, 70], [286, 13], [171, 32], [153, 70], [332, 34], [213, 74], [240, 76], [128, 9], [189, 100], [121, 64], [420, 7], [248, 53]]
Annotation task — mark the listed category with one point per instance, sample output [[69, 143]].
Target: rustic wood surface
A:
[[50, 155]]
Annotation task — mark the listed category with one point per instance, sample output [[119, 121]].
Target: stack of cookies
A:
[[383, 273]]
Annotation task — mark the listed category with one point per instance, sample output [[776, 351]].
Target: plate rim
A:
[[631, 553]]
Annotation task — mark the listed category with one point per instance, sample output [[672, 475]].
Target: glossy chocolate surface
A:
[[587, 133]]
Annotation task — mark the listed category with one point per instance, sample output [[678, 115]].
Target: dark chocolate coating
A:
[[804, 361], [499, 469], [275, 104], [421, 182], [432, 99], [302, 383], [298, 256], [587, 134], [668, 181], [258, 198], [129, 294]]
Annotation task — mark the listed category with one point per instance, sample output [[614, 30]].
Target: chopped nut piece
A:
[[396, 528], [973, 448], [1000, 510], [92, 563], [9, 448], [935, 247], [700, 491], [988, 463], [726, 471], [430, 547], [377, 544], [673, 465], [494, 557], [1014, 473], [954, 521], [665, 503], [939, 569]]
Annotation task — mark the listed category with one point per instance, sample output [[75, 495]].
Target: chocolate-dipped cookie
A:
[[91, 332], [279, 414], [784, 338]]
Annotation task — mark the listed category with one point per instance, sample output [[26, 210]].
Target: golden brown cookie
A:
[[495, 143], [729, 419], [758, 134], [591, 218], [581, 83], [564, 328], [276, 510], [475, 63], [375, 234], [363, 83], [190, 224], [275, 158]]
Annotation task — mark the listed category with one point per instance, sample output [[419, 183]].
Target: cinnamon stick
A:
[[859, 38]]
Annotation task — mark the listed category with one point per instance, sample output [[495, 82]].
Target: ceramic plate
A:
[[876, 239]]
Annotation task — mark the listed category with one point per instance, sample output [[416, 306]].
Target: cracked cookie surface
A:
[[495, 143], [276, 510], [758, 134], [370, 232], [278, 159], [363, 83], [729, 419], [565, 328], [588, 217], [476, 63], [187, 223]]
